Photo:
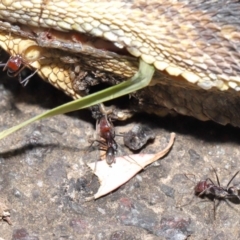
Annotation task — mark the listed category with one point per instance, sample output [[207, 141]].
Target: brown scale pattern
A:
[[194, 43]]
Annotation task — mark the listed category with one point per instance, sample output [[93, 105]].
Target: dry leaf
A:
[[124, 169]]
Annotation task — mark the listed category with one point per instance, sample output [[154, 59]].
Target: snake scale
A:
[[193, 44]]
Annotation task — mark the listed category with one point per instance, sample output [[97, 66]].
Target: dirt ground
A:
[[44, 180]]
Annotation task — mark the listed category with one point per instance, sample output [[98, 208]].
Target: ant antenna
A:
[[216, 176], [232, 178]]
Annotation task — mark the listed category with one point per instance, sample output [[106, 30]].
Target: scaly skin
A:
[[194, 45]]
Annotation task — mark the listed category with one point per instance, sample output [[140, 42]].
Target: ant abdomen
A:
[[14, 63], [110, 155], [201, 186]]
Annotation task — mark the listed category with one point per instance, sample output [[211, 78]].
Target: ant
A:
[[107, 132], [207, 188], [15, 65], [105, 129]]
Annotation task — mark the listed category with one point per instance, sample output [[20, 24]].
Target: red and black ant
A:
[[107, 132], [207, 188], [15, 65]]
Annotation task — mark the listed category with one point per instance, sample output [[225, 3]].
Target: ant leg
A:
[[190, 201], [3, 65], [214, 208], [93, 141], [201, 193], [25, 81], [101, 144], [190, 174], [217, 177], [231, 205], [129, 159], [19, 78], [87, 150], [209, 179], [95, 165]]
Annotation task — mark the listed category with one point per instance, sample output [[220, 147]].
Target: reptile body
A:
[[194, 46]]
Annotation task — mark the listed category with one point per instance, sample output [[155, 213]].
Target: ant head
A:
[[233, 191]]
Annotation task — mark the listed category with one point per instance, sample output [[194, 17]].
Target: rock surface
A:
[[44, 177]]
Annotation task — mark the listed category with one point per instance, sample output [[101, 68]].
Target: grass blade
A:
[[140, 80]]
